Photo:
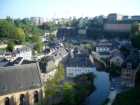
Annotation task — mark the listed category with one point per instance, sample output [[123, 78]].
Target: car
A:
[[112, 88]]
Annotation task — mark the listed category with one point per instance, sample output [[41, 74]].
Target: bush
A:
[[10, 46]]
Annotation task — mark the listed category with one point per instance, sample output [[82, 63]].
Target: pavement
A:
[[112, 97]]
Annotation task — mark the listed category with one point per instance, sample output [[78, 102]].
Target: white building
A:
[[25, 52], [103, 46], [78, 65]]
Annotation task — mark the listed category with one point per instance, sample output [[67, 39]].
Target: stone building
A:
[[79, 64], [20, 85], [129, 69]]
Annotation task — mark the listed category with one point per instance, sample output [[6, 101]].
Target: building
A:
[[50, 63], [135, 18], [113, 17], [130, 68], [37, 20], [126, 18], [67, 33], [116, 58], [20, 85], [117, 27], [25, 53], [103, 48], [78, 65]]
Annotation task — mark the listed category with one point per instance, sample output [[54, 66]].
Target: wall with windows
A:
[[29, 97], [75, 71]]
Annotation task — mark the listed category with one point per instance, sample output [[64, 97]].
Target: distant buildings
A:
[[37, 20], [135, 18], [113, 17], [66, 33], [117, 27], [20, 85]]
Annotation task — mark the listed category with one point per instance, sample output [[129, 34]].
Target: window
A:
[[36, 97], [7, 101]]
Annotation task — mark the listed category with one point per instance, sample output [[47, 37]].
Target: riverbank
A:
[[69, 91], [77, 90]]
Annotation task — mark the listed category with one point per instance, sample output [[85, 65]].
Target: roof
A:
[[133, 58], [19, 78], [80, 60], [15, 62]]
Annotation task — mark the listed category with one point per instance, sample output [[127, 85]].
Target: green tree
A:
[[136, 40], [69, 94], [135, 35], [39, 47], [10, 46], [7, 29], [20, 35]]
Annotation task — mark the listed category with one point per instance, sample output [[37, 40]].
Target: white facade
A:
[[75, 71], [102, 49], [26, 54]]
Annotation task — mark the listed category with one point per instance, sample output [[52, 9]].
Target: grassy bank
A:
[[59, 91]]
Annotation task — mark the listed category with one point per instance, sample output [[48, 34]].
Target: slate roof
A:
[[19, 78], [79, 60]]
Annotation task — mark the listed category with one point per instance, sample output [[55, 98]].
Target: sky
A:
[[66, 8]]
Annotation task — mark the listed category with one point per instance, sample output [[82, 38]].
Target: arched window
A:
[[7, 101], [22, 99], [36, 97]]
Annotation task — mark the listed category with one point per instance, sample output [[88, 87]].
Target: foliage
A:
[[7, 29], [20, 35], [53, 85], [137, 79], [136, 40], [10, 46], [38, 43], [135, 35], [18, 30], [38, 47], [130, 97], [115, 70], [69, 94]]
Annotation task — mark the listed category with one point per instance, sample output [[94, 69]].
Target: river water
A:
[[102, 84]]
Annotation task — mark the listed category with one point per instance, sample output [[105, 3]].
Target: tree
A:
[[137, 79], [136, 40], [135, 35], [10, 46], [39, 47], [7, 29], [69, 94], [20, 35]]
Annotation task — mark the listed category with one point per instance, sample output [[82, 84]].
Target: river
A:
[[102, 84]]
